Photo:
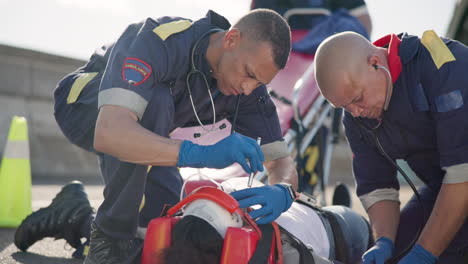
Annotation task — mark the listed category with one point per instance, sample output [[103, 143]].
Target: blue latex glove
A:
[[418, 255], [380, 252], [234, 148], [274, 199]]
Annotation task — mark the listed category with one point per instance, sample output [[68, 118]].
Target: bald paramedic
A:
[[405, 98], [166, 73]]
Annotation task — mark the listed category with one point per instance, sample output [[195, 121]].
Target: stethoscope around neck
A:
[[194, 72]]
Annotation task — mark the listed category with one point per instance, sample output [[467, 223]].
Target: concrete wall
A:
[[27, 81]]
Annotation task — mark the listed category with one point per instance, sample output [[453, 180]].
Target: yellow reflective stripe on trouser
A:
[[440, 53], [142, 204], [143, 200], [166, 30], [86, 250], [78, 86]]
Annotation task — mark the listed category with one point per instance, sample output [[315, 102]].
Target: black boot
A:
[[61, 219], [107, 250], [82, 251]]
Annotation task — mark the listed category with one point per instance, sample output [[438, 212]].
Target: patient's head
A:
[[199, 236], [194, 241]]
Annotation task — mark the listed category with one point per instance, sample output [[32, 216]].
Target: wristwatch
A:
[[290, 189]]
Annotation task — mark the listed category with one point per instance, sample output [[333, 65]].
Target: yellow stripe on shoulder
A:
[[166, 30], [78, 85], [440, 53]]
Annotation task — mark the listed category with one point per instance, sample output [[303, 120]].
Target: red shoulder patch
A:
[[135, 71]]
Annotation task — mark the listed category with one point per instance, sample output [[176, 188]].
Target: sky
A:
[[75, 28]]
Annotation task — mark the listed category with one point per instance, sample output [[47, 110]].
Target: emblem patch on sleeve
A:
[[135, 71]]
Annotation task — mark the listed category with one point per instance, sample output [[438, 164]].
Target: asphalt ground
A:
[[52, 251]]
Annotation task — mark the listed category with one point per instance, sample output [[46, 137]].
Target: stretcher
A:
[[308, 122]]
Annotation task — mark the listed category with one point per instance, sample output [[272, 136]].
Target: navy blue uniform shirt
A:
[[426, 122], [148, 56]]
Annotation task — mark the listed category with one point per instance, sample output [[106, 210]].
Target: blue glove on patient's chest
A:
[[274, 199], [418, 255], [232, 149], [379, 253]]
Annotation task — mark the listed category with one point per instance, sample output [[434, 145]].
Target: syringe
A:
[[251, 176]]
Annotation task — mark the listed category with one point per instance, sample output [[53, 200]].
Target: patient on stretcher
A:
[[327, 235]]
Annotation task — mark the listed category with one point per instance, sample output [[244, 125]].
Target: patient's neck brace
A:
[[214, 214]]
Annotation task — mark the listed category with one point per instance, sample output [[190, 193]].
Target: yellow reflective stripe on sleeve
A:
[[166, 30], [78, 86], [440, 53]]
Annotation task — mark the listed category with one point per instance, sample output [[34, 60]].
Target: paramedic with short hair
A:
[[159, 75]]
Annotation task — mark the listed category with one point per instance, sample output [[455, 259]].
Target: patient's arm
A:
[[282, 170], [291, 254]]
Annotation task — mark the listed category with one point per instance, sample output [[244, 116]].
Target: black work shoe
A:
[[61, 219], [107, 250], [342, 195], [82, 251]]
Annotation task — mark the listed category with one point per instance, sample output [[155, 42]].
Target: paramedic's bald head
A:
[[353, 74], [339, 62]]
